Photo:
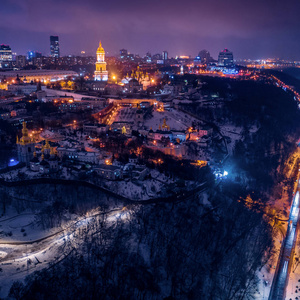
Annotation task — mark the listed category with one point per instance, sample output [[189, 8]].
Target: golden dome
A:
[[47, 146], [24, 129], [164, 124], [25, 139], [100, 48]]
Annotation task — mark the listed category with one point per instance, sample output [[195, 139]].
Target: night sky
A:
[[251, 29]]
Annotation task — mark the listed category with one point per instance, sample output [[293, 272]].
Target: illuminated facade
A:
[[101, 73], [38, 75], [54, 46], [26, 146], [5, 56], [165, 56], [225, 58]]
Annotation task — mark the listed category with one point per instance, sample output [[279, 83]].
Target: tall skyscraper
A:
[[165, 56], [101, 73], [5, 56], [54, 46], [225, 58]]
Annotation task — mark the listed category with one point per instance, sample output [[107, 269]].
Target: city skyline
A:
[[253, 30]]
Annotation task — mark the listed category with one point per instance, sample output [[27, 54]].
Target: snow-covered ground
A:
[[281, 207], [234, 133], [21, 259], [77, 97], [266, 274], [126, 114], [293, 288], [53, 136], [140, 190], [175, 119]]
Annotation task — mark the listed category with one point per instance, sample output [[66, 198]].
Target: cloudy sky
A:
[[251, 29]]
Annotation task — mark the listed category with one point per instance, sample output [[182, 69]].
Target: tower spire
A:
[[101, 74]]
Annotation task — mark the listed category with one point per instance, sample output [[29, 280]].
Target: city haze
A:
[[252, 29]]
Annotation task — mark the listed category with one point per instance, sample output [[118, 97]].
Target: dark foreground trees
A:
[[182, 251]]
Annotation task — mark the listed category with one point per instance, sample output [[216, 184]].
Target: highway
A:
[[285, 260]]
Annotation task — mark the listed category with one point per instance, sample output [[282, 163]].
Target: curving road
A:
[[19, 259]]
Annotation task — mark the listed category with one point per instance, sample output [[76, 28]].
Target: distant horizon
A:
[[250, 29], [214, 55]]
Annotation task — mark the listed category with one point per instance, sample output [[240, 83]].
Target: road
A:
[[285, 260], [19, 259]]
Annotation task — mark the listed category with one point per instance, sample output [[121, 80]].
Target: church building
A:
[[25, 146], [101, 74]]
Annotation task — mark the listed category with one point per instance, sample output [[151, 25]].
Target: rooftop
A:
[[108, 167]]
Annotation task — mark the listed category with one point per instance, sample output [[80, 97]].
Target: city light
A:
[[158, 131]]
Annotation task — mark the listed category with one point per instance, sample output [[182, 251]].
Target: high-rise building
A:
[[157, 56], [101, 73], [148, 57], [165, 56], [5, 56], [205, 56], [20, 61], [123, 53], [225, 58], [33, 54], [54, 46]]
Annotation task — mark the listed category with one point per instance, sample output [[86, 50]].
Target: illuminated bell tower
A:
[[26, 146], [101, 73]]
